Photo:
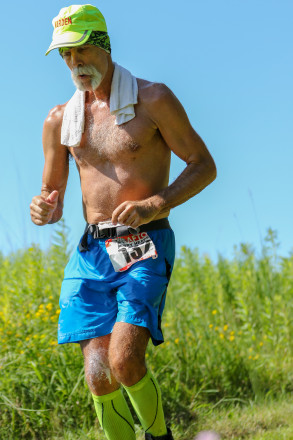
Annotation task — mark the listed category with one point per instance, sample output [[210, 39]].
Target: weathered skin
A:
[[124, 173], [120, 164], [117, 162]]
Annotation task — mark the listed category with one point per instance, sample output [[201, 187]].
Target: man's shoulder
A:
[[156, 99], [152, 92], [55, 116]]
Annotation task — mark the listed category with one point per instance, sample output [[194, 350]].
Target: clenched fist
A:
[[135, 213], [42, 208]]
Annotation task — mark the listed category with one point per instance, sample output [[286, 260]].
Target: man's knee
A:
[[127, 352], [97, 369], [127, 367], [97, 372]]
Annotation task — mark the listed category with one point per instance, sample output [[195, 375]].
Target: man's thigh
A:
[[141, 294]]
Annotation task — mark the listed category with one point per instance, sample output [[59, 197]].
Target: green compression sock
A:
[[145, 397], [114, 416]]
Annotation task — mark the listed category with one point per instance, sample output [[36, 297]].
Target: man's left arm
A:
[[170, 117]]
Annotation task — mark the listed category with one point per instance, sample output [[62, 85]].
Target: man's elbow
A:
[[211, 170]]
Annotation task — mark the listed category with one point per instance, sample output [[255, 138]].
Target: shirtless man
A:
[[112, 308]]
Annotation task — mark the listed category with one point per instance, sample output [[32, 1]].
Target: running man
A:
[[120, 130]]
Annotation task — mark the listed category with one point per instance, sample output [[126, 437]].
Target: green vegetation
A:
[[226, 363]]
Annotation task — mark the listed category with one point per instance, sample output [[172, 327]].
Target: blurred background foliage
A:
[[228, 328]]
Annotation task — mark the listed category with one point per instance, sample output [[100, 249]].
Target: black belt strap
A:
[[120, 231]]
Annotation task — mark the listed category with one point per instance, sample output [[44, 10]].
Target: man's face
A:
[[88, 65]]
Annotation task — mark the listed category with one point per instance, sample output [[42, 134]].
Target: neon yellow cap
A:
[[73, 26]]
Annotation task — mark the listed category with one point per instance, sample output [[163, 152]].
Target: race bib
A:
[[129, 249]]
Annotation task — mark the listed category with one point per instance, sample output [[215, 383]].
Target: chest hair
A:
[[108, 140]]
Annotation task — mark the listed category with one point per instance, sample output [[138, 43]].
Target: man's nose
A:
[[76, 60]]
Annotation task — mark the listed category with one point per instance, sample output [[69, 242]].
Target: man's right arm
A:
[[48, 206]]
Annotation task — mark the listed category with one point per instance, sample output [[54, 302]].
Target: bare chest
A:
[[104, 141]]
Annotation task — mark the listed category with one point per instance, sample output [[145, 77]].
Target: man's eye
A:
[[66, 54]]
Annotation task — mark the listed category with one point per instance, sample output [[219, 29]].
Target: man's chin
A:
[[82, 87]]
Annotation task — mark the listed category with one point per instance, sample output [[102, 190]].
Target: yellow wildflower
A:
[[176, 340], [211, 326], [166, 324], [214, 312], [256, 357], [261, 344], [221, 336], [58, 312], [250, 357], [225, 327], [216, 328], [232, 338], [232, 333]]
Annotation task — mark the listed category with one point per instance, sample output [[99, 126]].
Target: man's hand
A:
[[42, 208], [135, 213]]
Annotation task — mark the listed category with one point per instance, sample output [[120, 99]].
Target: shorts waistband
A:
[[119, 231]]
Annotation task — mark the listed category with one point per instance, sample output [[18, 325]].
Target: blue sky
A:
[[229, 63]]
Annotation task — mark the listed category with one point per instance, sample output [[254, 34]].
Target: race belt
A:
[[106, 230]]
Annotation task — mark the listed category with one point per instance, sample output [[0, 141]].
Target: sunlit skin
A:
[[124, 174]]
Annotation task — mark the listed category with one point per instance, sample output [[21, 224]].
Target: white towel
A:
[[122, 99]]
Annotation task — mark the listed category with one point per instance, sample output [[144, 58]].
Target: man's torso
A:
[[119, 163]]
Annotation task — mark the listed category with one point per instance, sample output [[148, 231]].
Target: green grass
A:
[[265, 420], [228, 328]]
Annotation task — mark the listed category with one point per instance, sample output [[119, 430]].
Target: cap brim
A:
[[69, 39]]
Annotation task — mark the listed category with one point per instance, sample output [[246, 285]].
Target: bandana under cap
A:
[[96, 38]]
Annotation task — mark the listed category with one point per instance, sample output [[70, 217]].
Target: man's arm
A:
[[170, 117], [48, 206]]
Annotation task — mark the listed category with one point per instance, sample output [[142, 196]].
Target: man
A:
[[114, 288]]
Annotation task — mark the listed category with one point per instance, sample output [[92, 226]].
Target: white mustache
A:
[[96, 76], [84, 70]]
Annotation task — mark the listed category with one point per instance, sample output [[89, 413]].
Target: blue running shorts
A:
[[94, 297]]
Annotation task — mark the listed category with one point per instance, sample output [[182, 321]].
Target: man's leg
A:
[[111, 407], [127, 362]]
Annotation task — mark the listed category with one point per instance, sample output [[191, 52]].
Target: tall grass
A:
[[228, 328]]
